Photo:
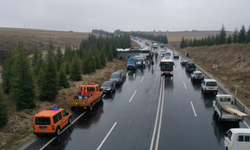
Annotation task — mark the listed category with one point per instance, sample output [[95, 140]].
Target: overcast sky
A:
[[127, 15]]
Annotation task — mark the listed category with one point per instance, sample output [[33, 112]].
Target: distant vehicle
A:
[[166, 66], [51, 121], [190, 66], [176, 55], [162, 46], [225, 109], [184, 61], [117, 77], [163, 53], [108, 87], [123, 73], [197, 75], [88, 95], [131, 63], [155, 45], [209, 86], [141, 61], [237, 139]]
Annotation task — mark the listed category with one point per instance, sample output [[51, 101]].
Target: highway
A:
[[147, 112]]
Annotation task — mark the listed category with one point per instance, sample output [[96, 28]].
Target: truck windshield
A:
[[211, 84], [42, 121], [131, 62]]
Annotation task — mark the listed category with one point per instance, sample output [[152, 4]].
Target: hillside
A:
[[9, 38], [233, 66]]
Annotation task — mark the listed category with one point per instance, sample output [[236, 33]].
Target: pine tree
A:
[[23, 87], [59, 58], [110, 56], [75, 72], [212, 42], [248, 35], [222, 36], [40, 78], [103, 58], [229, 39], [242, 35], [8, 72], [67, 68], [235, 36], [39, 63], [34, 59], [49, 89], [217, 39], [98, 62], [182, 45], [3, 109], [63, 81]]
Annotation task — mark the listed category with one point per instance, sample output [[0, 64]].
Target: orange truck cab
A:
[[51, 121], [88, 95]]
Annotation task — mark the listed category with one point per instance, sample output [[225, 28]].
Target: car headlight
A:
[[109, 89]]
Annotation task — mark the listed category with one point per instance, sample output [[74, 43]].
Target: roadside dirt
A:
[[19, 129], [233, 66]]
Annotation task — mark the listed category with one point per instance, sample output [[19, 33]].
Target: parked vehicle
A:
[[108, 87], [237, 139], [88, 95], [51, 121], [209, 86], [190, 66], [131, 63], [117, 77], [184, 61], [225, 109], [197, 75], [123, 73]]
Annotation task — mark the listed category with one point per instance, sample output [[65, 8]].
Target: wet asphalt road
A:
[[147, 112]]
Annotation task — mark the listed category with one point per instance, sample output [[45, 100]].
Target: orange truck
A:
[[88, 95]]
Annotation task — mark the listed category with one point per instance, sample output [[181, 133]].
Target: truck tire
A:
[[58, 132]]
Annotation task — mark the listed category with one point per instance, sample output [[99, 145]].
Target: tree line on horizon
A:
[[241, 37], [42, 76], [158, 38]]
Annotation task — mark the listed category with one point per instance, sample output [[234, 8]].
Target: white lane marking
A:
[[184, 85], [142, 79], [62, 131], [246, 124], [106, 136], [156, 119], [180, 74], [159, 127], [132, 96], [193, 108]]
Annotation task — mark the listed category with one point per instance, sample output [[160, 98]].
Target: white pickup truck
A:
[[225, 109]]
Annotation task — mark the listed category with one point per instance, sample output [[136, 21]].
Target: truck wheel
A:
[[58, 132], [70, 120]]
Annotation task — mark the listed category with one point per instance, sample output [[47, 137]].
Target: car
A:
[[176, 55], [209, 86], [123, 73], [51, 121], [117, 77], [162, 46], [108, 87], [237, 138], [197, 75], [184, 61], [190, 66]]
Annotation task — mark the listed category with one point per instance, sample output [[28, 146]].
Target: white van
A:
[[237, 139]]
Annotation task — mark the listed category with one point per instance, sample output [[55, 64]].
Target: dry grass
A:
[[19, 129], [233, 66], [1, 69], [134, 44]]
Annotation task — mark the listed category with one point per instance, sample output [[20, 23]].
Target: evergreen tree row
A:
[[238, 37]]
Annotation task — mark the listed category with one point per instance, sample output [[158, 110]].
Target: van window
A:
[[240, 138], [55, 118], [97, 89], [247, 138], [64, 113], [42, 121], [60, 115], [229, 135]]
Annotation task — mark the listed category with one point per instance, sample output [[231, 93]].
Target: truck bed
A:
[[235, 112]]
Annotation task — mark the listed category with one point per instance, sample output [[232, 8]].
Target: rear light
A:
[[85, 107], [53, 128], [217, 89], [205, 89]]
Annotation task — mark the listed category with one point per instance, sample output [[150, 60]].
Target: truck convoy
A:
[[131, 63], [225, 109], [166, 66], [88, 95]]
